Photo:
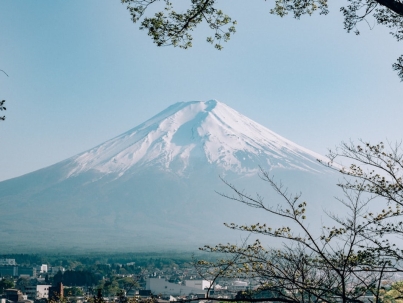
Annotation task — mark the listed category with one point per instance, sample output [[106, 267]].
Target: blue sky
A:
[[80, 72]]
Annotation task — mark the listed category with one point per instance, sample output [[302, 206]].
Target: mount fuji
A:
[[155, 186]]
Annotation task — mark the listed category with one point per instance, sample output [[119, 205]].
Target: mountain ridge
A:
[[155, 185]]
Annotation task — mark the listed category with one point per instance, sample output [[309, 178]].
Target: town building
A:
[[239, 285], [26, 271], [161, 286], [7, 262], [8, 271], [16, 271], [42, 268], [200, 284], [37, 292]]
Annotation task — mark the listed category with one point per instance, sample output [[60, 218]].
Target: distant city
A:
[[158, 279]]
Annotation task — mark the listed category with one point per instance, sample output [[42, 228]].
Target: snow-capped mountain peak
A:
[[193, 132], [155, 185]]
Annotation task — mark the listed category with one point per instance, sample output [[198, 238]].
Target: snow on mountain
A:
[[191, 131], [155, 185]]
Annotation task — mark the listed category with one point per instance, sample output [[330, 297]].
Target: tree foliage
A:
[[345, 261], [394, 294], [2, 107], [115, 285], [378, 171], [73, 278], [5, 284], [72, 291], [168, 26]]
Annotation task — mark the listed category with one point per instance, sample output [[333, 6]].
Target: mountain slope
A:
[[155, 185]]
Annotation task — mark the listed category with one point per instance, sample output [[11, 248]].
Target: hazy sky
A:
[[80, 72]]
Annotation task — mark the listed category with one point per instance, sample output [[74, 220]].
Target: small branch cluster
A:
[[2, 107], [299, 8], [169, 27], [374, 170]]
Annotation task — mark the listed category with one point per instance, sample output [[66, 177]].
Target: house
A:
[[200, 284], [37, 292], [161, 286], [7, 262]]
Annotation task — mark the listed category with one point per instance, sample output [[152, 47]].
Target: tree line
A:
[[76, 278]]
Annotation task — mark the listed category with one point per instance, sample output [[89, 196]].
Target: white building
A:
[[42, 268], [161, 286], [200, 284], [239, 285], [7, 262], [37, 292]]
